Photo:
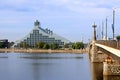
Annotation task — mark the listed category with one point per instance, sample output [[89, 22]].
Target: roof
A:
[[45, 32]]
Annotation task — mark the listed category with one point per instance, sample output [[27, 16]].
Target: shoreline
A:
[[44, 50]]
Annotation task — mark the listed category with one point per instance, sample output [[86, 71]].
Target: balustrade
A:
[[110, 43]]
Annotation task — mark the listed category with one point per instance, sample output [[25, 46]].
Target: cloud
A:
[[55, 8], [86, 7], [79, 6], [60, 14]]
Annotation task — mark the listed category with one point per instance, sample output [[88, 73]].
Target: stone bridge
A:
[[108, 52]]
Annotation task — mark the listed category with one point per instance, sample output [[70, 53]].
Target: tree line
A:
[[78, 45], [6, 44], [43, 45], [40, 45]]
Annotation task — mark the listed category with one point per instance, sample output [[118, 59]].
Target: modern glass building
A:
[[38, 34]]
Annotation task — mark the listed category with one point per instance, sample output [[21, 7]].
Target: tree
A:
[[40, 45], [118, 38], [11, 44], [46, 46], [78, 45], [66, 46], [54, 46], [1, 45], [73, 45], [23, 45]]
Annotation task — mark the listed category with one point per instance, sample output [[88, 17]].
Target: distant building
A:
[[38, 34], [5, 43]]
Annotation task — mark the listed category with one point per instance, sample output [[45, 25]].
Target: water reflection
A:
[[46, 67], [3, 57], [32, 66], [111, 77], [33, 57], [97, 73], [36, 68]]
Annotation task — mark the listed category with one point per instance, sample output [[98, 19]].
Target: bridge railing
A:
[[110, 43]]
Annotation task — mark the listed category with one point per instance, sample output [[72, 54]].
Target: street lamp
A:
[[106, 28], [113, 24], [94, 36]]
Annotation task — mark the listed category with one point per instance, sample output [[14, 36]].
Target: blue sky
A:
[[72, 19]]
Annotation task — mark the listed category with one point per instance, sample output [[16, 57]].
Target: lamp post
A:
[[102, 30], [106, 28], [94, 36], [113, 24]]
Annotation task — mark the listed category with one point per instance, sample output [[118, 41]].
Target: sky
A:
[[72, 19]]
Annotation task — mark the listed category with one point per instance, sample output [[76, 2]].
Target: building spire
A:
[[36, 24]]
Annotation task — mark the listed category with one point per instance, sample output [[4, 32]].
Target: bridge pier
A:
[[111, 77], [99, 54], [111, 68]]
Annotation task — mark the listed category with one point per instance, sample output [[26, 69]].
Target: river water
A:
[[45, 66]]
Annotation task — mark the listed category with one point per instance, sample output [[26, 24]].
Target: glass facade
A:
[[39, 34]]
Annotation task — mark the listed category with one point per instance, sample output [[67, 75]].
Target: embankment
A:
[[42, 50]]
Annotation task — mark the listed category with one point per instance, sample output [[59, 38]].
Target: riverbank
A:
[[42, 50]]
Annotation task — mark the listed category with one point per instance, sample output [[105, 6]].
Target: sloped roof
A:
[[45, 32]]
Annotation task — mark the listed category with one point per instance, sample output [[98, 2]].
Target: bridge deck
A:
[[110, 49]]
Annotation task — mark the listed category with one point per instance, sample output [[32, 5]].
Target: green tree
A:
[[46, 46], [1, 45], [21, 45], [73, 45], [40, 45], [66, 46], [118, 38], [54, 46], [78, 45], [25, 45]]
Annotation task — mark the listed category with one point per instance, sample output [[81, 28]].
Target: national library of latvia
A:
[[38, 34]]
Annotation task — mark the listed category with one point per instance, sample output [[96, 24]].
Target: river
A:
[[44, 66]]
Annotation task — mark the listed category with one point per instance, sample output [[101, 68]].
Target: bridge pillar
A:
[[96, 54], [106, 55], [93, 52], [111, 68]]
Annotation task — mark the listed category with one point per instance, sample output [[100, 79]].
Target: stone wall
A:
[[111, 68]]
